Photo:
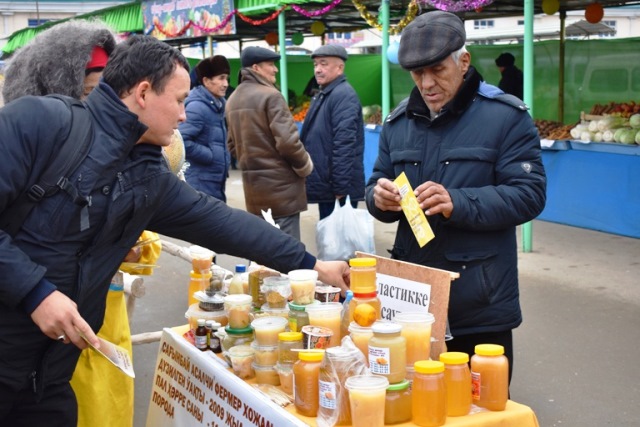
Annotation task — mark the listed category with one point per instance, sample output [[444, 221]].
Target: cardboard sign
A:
[[192, 388], [403, 286]]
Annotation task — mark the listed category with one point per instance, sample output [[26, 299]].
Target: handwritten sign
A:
[[192, 388]]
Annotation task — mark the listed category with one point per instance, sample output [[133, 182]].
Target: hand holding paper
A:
[[115, 354]]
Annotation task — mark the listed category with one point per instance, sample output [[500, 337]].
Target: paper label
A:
[[115, 354], [379, 360], [411, 208], [327, 391]]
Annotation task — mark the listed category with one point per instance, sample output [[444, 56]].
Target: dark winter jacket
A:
[[130, 189], [333, 134], [512, 81], [485, 150], [205, 141], [264, 138]]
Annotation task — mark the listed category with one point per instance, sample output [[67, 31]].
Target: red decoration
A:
[[478, 10], [594, 13], [271, 39]]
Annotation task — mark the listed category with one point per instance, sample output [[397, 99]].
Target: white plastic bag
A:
[[344, 232]]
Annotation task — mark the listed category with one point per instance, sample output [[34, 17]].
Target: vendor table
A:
[[593, 185], [193, 388]]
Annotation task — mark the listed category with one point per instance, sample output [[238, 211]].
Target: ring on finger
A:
[[62, 337]]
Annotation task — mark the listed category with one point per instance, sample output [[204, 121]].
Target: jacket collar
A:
[[460, 102], [114, 118], [328, 88], [248, 75]]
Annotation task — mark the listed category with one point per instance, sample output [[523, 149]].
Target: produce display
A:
[[548, 129], [608, 128]]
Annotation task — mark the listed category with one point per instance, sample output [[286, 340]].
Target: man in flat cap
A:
[[333, 134], [264, 138], [472, 155]]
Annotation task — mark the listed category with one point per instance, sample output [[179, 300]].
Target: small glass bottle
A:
[[428, 394], [212, 339], [298, 317], [490, 377], [397, 407], [200, 336], [363, 275], [287, 343], [458, 381], [236, 287], [388, 351], [306, 372]]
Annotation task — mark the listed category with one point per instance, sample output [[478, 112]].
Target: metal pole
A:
[[563, 18], [282, 38], [386, 90], [527, 233]]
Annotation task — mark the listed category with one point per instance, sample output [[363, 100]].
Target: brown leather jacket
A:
[[264, 138]]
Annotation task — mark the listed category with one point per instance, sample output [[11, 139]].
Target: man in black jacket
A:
[[512, 79], [55, 272]]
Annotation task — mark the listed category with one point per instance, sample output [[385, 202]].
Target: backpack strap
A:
[[71, 153]]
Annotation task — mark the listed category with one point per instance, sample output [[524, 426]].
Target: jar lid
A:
[[201, 322], [239, 299], [297, 307], [238, 331], [372, 294], [415, 317], [489, 350], [290, 336], [194, 275], [354, 327], [385, 327], [366, 382], [454, 358], [428, 367], [402, 385], [362, 262], [311, 356], [270, 322], [241, 268]]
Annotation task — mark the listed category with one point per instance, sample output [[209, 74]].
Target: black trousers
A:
[[467, 343], [57, 407]]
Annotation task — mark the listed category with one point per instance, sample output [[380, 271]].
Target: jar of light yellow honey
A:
[[388, 351]]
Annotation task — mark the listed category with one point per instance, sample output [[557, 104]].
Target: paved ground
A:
[[575, 352]]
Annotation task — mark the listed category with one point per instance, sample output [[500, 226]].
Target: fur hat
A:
[[56, 59], [211, 67]]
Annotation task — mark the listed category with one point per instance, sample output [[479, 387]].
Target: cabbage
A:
[[634, 121], [611, 122], [617, 134], [628, 136]]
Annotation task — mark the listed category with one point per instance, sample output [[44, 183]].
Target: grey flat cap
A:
[[330, 50], [429, 39], [254, 55]]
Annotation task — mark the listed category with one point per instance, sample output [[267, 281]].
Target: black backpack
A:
[[54, 178]]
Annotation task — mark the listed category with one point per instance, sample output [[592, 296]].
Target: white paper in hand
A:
[[115, 354]]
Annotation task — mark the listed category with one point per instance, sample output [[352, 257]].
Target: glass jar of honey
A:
[[306, 371], [297, 316], [363, 275], [287, 343], [428, 394], [458, 381], [388, 351], [397, 406], [490, 377]]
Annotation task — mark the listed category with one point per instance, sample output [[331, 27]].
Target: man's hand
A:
[[387, 196], [334, 273], [434, 199], [58, 318]]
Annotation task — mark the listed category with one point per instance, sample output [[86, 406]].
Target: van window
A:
[[611, 80], [635, 80]]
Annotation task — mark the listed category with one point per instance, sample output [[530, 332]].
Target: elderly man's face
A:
[[439, 83], [327, 69], [266, 69]]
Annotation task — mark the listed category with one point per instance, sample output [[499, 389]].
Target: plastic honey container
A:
[[428, 394], [363, 275], [397, 406], [490, 377], [388, 351], [266, 329], [367, 394], [287, 343], [416, 329], [457, 378], [306, 371]]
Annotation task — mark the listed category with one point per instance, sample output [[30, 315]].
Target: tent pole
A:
[[563, 18], [282, 38], [527, 233], [384, 13]]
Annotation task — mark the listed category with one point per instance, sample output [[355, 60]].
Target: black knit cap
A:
[[430, 38], [211, 67], [254, 55], [505, 60]]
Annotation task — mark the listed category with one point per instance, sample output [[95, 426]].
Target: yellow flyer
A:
[[411, 208]]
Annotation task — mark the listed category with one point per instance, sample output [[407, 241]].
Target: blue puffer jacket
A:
[[205, 141], [333, 134], [485, 150], [130, 189]]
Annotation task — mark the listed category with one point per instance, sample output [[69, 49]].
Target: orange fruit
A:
[[365, 315]]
